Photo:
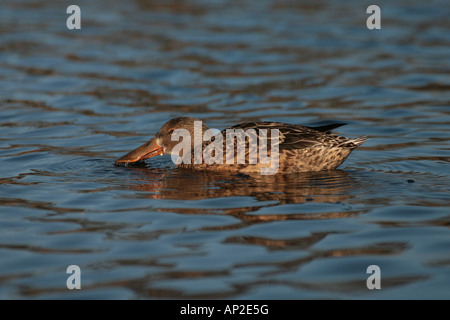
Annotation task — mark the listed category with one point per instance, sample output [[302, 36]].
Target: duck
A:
[[262, 147]]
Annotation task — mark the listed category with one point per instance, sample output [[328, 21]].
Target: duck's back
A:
[[300, 148]]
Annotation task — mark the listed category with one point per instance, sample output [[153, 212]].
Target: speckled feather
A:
[[301, 148]]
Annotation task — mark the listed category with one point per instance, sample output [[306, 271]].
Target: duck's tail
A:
[[328, 128], [353, 143]]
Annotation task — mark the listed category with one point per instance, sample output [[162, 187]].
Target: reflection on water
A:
[[73, 101], [269, 191]]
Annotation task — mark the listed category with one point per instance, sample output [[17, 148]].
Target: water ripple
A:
[[72, 101]]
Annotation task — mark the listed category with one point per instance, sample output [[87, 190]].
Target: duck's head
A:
[[166, 139]]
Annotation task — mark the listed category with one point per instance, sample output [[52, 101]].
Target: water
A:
[[72, 101]]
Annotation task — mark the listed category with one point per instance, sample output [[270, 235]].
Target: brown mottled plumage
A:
[[300, 148]]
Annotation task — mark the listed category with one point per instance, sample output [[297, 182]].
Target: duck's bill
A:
[[148, 150]]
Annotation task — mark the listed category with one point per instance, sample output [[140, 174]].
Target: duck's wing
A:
[[291, 137], [328, 128]]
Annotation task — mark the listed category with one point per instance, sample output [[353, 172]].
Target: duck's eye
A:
[[170, 131]]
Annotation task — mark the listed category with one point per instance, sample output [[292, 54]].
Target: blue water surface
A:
[[72, 101]]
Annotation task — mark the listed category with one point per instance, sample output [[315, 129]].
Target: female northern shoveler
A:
[[291, 148]]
